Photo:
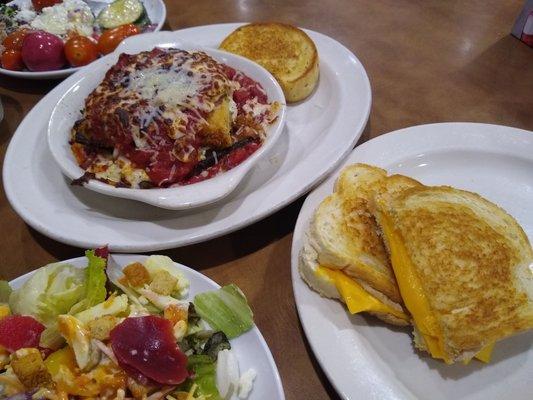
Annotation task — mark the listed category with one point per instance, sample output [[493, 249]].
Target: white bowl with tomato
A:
[[51, 39], [207, 179]]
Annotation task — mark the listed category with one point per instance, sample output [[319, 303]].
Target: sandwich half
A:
[[344, 256], [464, 267]]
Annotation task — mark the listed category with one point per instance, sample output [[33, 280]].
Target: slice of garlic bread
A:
[[284, 50], [463, 266]]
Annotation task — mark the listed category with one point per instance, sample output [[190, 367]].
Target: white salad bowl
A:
[[156, 10], [79, 86]]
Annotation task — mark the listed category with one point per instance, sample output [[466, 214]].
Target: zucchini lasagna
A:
[[169, 117]]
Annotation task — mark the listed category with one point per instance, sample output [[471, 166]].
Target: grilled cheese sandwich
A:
[[462, 266], [344, 257]]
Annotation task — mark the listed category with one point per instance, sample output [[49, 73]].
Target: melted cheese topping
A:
[[357, 299], [159, 111], [412, 293], [486, 353], [166, 86], [415, 299]]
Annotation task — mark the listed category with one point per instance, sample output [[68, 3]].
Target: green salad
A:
[[114, 333]]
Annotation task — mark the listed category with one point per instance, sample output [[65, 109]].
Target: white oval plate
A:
[[156, 10], [250, 348], [366, 359], [79, 86], [319, 132]]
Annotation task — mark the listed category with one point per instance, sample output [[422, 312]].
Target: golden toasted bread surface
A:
[[284, 50], [346, 232], [473, 262]]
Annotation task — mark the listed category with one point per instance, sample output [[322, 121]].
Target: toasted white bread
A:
[[326, 287], [308, 266], [284, 50], [343, 235], [346, 234], [463, 265]]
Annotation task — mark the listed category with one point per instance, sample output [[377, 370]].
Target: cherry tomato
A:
[[14, 40], [80, 50], [40, 4], [12, 59], [111, 39]]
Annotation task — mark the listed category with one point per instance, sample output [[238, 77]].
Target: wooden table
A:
[[429, 61]]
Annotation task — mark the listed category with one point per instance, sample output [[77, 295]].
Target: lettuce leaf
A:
[[226, 310], [52, 290], [204, 375], [57, 289], [95, 278]]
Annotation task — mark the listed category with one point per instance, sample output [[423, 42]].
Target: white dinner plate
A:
[[366, 359], [76, 89], [156, 10], [250, 348], [319, 132]]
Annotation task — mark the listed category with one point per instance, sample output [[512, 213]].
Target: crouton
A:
[[175, 313], [136, 274], [101, 327], [4, 358], [217, 131], [163, 282], [4, 310], [30, 369]]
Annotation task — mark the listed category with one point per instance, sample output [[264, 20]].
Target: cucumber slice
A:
[[143, 20], [120, 12]]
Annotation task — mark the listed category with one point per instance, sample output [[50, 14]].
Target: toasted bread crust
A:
[[307, 264], [472, 260], [346, 233], [284, 50]]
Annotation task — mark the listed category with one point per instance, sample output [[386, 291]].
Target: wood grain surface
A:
[[428, 61]]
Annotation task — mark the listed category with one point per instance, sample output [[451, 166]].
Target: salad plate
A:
[[155, 10], [249, 348], [364, 358], [319, 132], [78, 87]]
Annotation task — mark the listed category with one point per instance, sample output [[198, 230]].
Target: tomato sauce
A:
[[170, 154], [227, 162]]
